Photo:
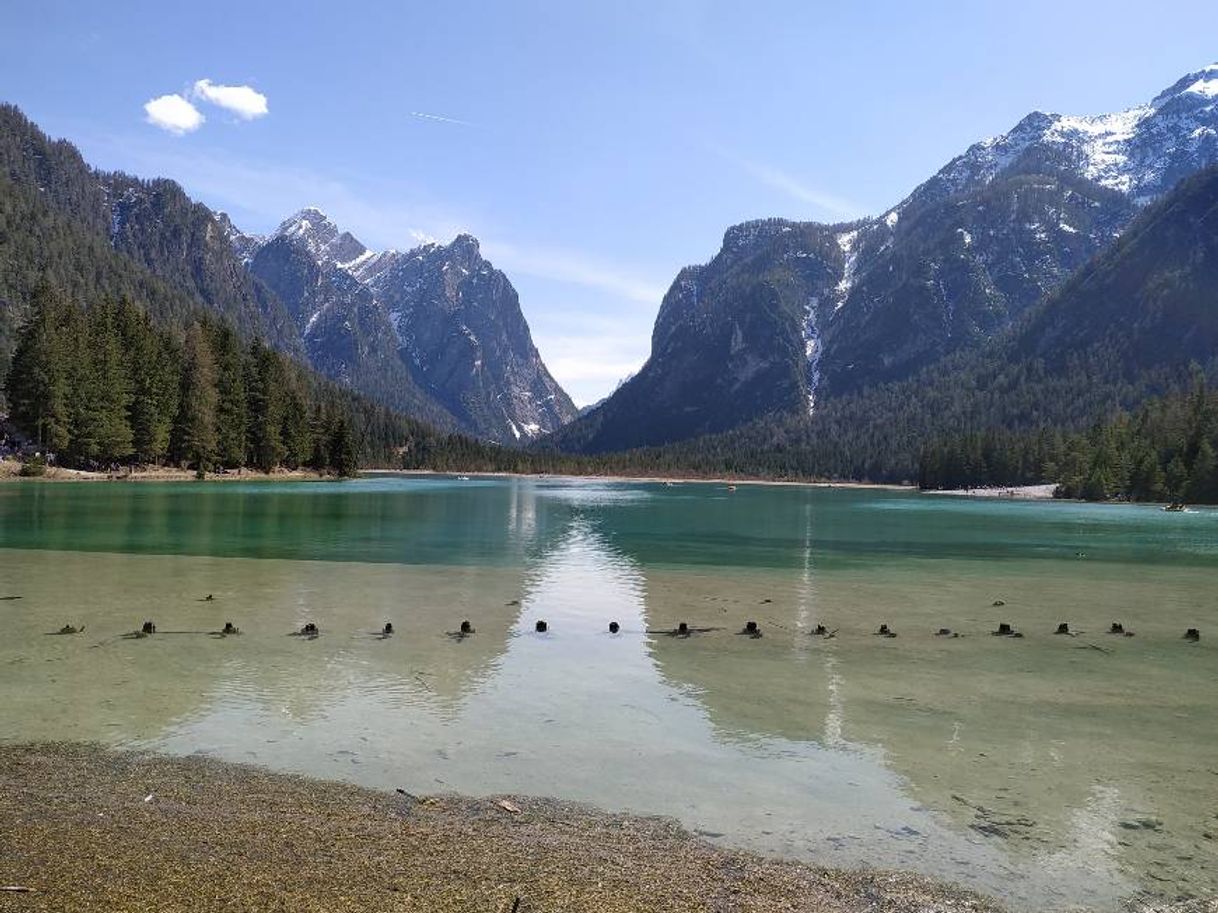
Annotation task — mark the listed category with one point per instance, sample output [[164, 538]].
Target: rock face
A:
[[436, 330], [735, 339], [788, 314], [459, 325], [345, 333]]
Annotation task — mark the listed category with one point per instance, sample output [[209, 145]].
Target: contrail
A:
[[441, 118]]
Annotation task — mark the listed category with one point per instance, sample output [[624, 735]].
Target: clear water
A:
[[1043, 770]]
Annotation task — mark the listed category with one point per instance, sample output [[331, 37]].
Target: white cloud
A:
[[245, 102], [173, 113]]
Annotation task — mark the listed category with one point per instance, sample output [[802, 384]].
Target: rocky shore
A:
[[83, 828]]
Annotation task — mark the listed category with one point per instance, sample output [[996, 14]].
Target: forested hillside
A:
[[61, 218], [1165, 452]]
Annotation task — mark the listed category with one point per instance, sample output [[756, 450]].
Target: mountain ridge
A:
[[969, 250], [494, 386], [450, 319]]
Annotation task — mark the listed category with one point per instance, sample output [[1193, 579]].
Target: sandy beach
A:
[[1010, 492]]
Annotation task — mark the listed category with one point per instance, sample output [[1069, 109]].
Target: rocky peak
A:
[[245, 246], [465, 246], [324, 241], [1196, 89], [1140, 152], [438, 319]]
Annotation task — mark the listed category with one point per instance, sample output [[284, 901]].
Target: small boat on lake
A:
[[1176, 507]]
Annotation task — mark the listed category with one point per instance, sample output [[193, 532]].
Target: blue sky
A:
[[594, 148]]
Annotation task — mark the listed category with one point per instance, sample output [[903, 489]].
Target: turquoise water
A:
[[1050, 771]]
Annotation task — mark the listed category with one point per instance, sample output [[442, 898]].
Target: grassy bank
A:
[[86, 829]]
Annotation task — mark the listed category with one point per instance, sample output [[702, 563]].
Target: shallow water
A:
[[1051, 771]]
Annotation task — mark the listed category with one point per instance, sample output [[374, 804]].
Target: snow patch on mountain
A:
[[1139, 152], [850, 255], [1207, 85], [813, 348]]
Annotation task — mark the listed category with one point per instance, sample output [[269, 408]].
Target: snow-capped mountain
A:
[[1140, 152], [788, 314], [436, 323]]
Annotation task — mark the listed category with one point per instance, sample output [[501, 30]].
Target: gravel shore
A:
[[83, 828]]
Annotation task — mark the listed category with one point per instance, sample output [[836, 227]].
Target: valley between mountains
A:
[[1046, 278]]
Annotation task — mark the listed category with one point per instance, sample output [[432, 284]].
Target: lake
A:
[[1050, 771]]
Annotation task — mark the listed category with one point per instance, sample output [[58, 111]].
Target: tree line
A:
[[105, 385], [1165, 451]]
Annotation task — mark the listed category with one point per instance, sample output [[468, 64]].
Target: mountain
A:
[[436, 329], [126, 297], [1136, 322], [151, 224], [436, 332], [345, 333], [789, 316]]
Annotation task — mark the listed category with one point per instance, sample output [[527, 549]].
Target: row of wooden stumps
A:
[[751, 629], [1005, 630]]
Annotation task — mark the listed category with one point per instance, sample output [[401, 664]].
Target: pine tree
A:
[[343, 460], [111, 394], [37, 384], [232, 414], [195, 427], [319, 434], [1203, 479], [155, 380], [297, 442], [264, 382]]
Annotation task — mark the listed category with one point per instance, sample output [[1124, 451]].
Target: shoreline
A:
[[1043, 492], [9, 470], [675, 479], [92, 828]]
